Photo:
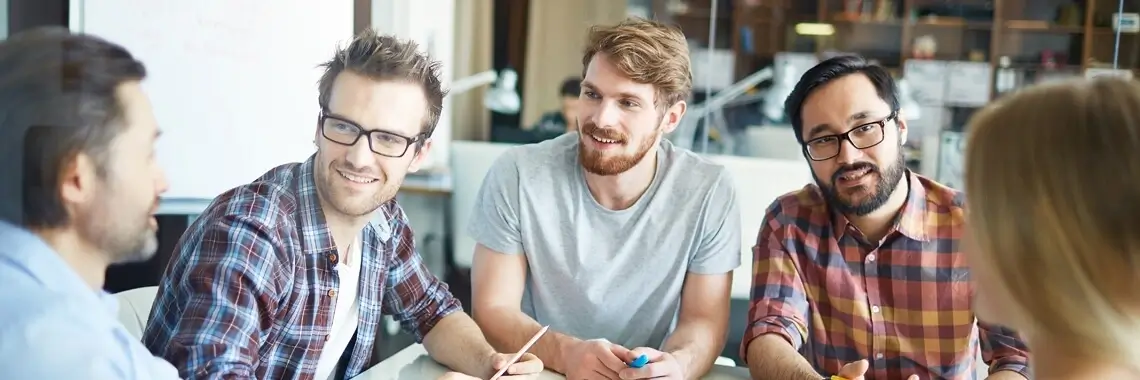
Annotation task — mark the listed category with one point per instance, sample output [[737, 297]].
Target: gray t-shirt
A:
[[600, 273]]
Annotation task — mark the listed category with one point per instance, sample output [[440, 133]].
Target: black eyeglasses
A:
[[861, 137], [345, 132]]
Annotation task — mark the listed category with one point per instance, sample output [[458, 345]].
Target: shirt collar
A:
[[911, 221], [314, 228], [30, 252]]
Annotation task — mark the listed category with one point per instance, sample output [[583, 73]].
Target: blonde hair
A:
[[645, 52], [1053, 181]]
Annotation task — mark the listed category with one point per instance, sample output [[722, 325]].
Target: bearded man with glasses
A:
[[861, 274], [287, 277]]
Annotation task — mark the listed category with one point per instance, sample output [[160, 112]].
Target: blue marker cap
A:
[[641, 361]]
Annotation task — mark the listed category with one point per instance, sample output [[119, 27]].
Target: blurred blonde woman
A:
[[1053, 185]]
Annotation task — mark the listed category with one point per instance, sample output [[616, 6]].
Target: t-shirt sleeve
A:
[[494, 221], [720, 242]]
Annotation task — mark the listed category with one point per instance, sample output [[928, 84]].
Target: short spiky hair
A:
[[645, 51], [387, 58]]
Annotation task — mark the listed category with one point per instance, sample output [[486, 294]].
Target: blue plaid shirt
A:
[[248, 292]]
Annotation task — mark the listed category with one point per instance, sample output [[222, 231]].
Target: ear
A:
[[673, 115], [420, 155], [900, 120], [78, 180]]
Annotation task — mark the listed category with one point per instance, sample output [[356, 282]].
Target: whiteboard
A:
[[233, 82]]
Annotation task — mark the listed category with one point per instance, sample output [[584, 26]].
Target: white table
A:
[[413, 363]]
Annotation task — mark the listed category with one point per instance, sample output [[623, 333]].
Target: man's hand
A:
[[856, 370], [527, 367], [592, 360], [662, 365]]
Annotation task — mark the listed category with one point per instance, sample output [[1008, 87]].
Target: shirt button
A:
[[871, 258], [332, 292], [879, 355], [875, 309], [332, 258]]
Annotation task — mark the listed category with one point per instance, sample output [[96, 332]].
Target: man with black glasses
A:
[[862, 272], [287, 277]]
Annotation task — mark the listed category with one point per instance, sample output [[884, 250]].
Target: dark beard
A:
[[884, 187]]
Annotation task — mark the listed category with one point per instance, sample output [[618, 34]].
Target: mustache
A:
[[590, 128], [853, 168]]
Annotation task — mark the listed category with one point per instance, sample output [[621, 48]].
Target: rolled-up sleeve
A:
[[1003, 350], [779, 304], [217, 301], [412, 294]]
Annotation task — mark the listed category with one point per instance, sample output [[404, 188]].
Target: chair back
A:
[[134, 308]]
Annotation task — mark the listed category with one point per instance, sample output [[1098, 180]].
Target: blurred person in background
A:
[[564, 119]]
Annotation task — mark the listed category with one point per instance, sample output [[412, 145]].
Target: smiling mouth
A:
[[604, 141], [855, 174], [355, 178]]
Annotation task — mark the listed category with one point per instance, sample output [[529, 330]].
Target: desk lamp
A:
[[501, 98], [775, 96], [686, 129], [907, 104]]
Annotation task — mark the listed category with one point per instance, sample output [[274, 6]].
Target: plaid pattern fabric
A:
[[248, 292], [903, 303]]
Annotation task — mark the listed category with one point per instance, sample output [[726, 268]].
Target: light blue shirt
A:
[[54, 326]]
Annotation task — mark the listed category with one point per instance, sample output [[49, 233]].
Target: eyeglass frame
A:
[[846, 136], [361, 131]]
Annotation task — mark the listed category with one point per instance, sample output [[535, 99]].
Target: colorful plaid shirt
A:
[[248, 292], [903, 303]]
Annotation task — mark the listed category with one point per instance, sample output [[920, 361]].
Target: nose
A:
[[360, 155], [848, 153], [160, 183], [608, 115]]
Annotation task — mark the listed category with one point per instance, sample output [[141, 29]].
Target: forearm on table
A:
[[509, 330], [771, 357], [696, 344], [1004, 351], [457, 343]]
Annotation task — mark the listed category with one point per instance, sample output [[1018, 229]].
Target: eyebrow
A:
[[588, 86], [816, 130], [354, 122]]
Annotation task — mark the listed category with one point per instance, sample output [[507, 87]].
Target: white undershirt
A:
[[346, 315]]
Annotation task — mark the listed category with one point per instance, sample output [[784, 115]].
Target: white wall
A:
[[431, 23], [212, 86]]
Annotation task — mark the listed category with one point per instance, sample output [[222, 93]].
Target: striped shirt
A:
[[249, 291], [903, 303]]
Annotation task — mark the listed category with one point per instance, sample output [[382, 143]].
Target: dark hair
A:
[[387, 58], [571, 87], [57, 100], [832, 69]]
